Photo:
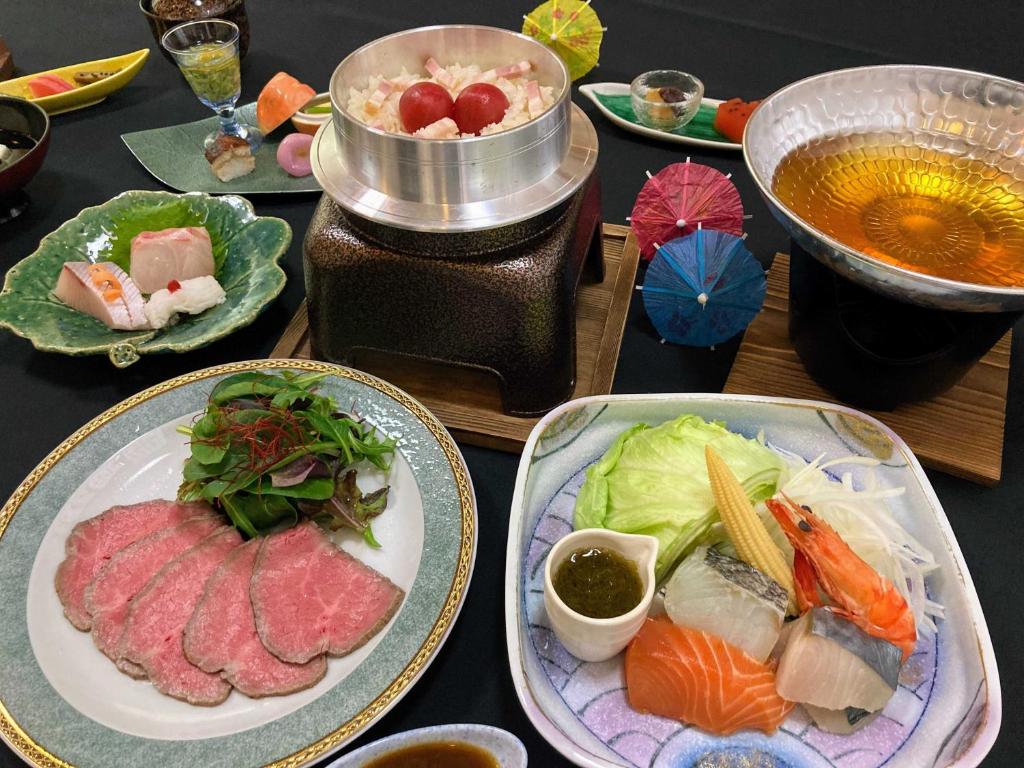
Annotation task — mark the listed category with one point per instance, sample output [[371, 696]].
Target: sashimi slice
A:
[[93, 542], [700, 679], [159, 613], [108, 597], [832, 663], [175, 253], [221, 635], [115, 301], [280, 98], [727, 598]]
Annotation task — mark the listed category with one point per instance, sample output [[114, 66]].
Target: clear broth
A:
[[922, 209]]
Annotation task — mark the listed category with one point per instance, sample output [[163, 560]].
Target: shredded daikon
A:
[[864, 521]]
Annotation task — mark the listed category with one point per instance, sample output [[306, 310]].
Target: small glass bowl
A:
[[666, 99]]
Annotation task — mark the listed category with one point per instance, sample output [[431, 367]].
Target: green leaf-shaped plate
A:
[[246, 249], [174, 155], [615, 103]]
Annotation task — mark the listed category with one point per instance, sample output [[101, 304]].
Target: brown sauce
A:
[[599, 583], [436, 754]]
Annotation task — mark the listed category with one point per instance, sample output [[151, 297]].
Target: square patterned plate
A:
[[947, 709]]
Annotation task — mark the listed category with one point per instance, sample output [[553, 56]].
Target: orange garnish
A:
[[280, 98], [104, 279]]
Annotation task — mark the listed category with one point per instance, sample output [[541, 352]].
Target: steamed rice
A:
[[388, 119]]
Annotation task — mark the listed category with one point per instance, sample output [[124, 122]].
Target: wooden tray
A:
[[467, 401], [959, 432]]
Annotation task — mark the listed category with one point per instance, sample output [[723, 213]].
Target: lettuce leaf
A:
[[653, 480]]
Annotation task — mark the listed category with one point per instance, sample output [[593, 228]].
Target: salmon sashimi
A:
[[858, 592], [700, 679]]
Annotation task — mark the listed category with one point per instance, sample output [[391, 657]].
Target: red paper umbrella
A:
[[678, 198]]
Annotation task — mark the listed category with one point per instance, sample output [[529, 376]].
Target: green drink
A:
[[213, 72], [206, 52]]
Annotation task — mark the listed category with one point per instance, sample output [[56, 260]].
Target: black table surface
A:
[[745, 48]]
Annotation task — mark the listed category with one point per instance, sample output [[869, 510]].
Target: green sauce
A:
[[213, 72], [599, 583]]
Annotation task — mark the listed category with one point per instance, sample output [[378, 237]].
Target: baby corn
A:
[[745, 529]]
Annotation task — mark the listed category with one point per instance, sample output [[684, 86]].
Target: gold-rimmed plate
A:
[[62, 702]]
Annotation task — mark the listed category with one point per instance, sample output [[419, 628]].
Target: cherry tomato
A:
[[423, 104], [479, 105]]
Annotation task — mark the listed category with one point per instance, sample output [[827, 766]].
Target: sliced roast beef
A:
[[108, 597], [309, 597], [158, 615], [221, 635], [94, 541]]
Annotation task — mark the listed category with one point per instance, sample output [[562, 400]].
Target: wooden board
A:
[[959, 432], [467, 401]]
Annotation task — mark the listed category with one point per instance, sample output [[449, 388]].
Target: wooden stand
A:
[[467, 401], [959, 432]]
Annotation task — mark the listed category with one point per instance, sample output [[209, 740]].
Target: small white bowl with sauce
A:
[[497, 748], [587, 638]]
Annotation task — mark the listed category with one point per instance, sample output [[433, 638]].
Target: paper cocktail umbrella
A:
[[678, 198], [703, 288], [569, 27]]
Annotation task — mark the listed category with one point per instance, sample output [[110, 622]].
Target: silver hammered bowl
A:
[[441, 185], [967, 114]]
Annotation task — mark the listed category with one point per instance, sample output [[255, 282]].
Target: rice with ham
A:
[[377, 104]]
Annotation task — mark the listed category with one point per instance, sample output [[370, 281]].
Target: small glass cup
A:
[[666, 99], [206, 52]]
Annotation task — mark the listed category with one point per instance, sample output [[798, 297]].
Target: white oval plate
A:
[[947, 709]]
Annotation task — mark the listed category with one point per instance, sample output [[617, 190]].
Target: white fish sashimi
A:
[[176, 253], [831, 663], [82, 287], [727, 598], [192, 297]]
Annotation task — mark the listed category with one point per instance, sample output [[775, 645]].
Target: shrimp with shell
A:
[[858, 593]]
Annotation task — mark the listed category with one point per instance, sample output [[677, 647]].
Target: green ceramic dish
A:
[[174, 155], [614, 102], [246, 248]]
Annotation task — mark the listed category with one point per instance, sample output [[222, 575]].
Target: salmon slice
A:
[[700, 679]]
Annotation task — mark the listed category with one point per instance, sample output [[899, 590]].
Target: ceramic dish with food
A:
[[839, 487], [74, 294], [77, 85], [130, 565], [174, 156], [24, 140], [467, 746], [614, 101]]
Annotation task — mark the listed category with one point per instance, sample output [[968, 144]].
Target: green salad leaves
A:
[[653, 480], [268, 450]]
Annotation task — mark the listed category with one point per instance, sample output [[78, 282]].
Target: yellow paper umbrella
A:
[[571, 28]]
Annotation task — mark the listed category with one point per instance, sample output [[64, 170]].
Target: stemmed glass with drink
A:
[[206, 52]]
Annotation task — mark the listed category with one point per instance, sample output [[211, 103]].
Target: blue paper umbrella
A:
[[703, 288]]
